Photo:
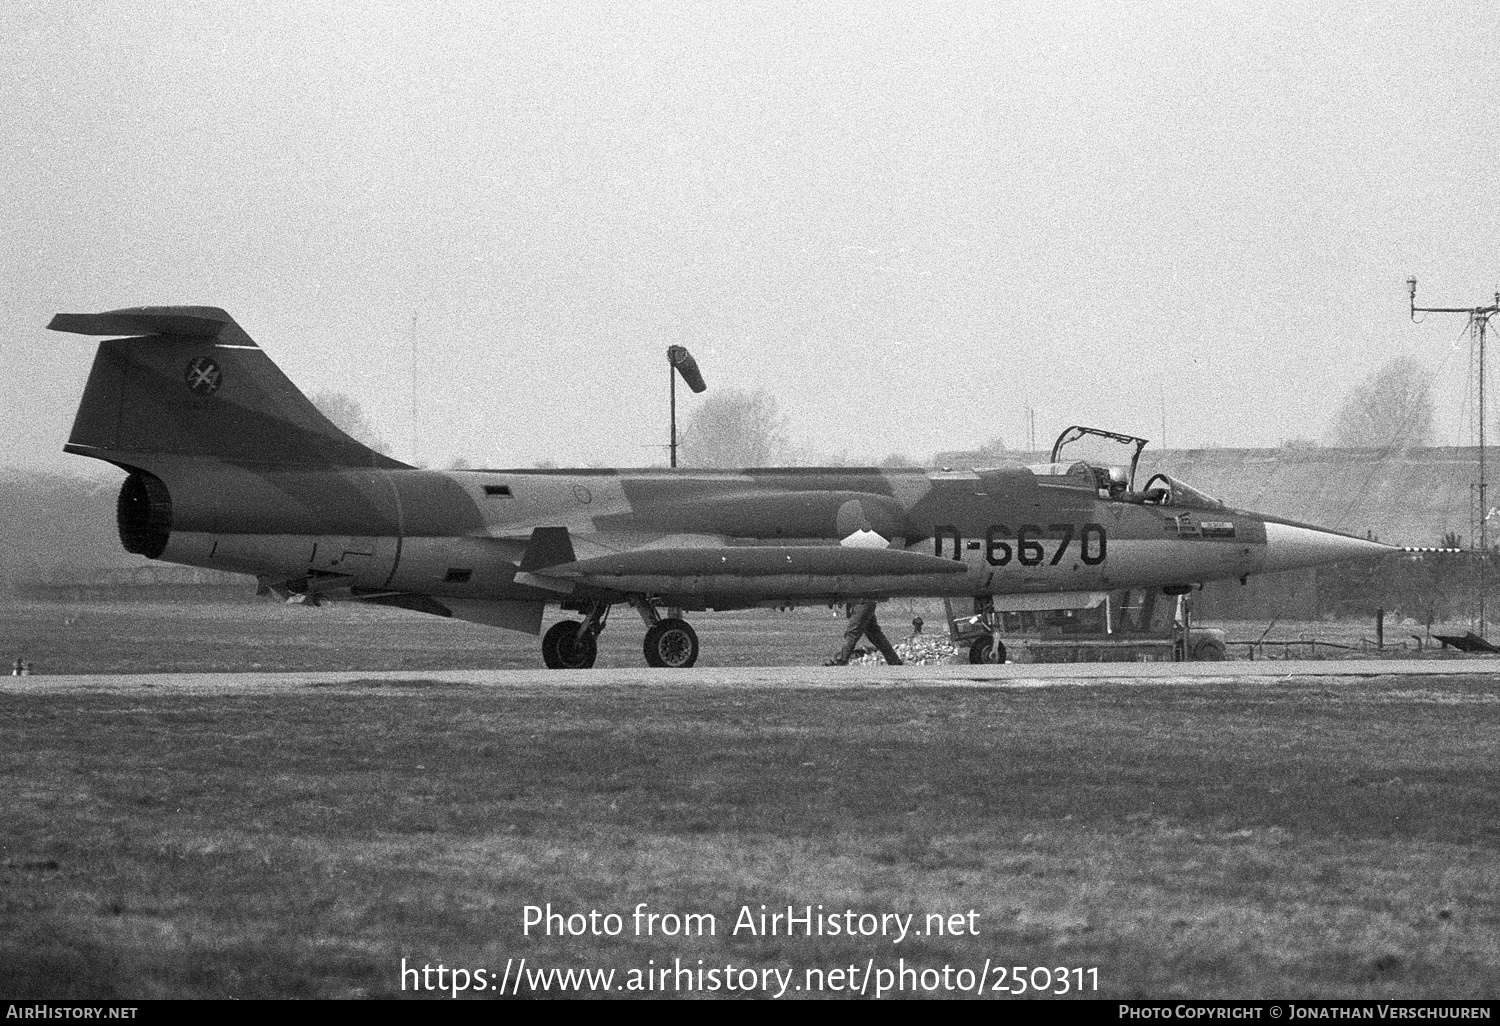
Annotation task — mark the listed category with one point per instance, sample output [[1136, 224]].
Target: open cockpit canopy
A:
[[1107, 461], [1104, 459]]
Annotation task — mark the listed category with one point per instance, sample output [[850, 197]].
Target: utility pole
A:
[[1162, 396], [680, 361], [414, 388], [1479, 319]]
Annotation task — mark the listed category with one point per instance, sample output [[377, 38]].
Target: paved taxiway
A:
[[1008, 676]]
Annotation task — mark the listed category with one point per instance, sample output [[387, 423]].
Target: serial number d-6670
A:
[[1029, 544]]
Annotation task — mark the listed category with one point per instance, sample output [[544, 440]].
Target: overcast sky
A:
[[907, 222]]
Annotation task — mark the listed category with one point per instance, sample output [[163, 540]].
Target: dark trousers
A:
[[862, 622]]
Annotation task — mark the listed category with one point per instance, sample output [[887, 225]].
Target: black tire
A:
[[979, 652], [671, 643], [562, 649], [1208, 650]]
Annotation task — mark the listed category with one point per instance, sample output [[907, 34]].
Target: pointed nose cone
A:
[[1290, 546]]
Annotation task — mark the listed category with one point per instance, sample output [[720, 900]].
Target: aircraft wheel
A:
[[979, 652], [671, 643], [562, 649]]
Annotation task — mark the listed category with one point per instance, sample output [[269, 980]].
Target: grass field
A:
[[1249, 839], [155, 636], [148, 637]]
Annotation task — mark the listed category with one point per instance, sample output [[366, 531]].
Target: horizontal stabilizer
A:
[[548, 547], [196, 322], [759, 561]]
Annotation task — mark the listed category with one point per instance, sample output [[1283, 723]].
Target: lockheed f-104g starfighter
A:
[[230, 467]]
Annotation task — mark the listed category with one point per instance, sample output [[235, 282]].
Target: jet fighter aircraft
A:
[[230, 467]]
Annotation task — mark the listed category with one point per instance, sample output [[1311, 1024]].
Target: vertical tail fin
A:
[[189, 381]]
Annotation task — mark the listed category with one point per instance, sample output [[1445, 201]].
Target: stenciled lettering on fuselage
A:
[[1028, 544], [1183, 526]]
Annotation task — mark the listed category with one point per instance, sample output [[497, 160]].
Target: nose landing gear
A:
[[987, 650]]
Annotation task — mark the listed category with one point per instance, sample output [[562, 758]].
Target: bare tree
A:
[[993, 451], [349, 417], [1390, 408], [734, 428]]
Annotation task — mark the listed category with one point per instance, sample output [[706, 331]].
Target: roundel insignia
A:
[[204, 376]]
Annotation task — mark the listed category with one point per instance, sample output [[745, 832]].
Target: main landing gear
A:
[[672, 643], [573, 644]]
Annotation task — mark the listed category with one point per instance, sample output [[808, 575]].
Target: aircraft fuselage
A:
[[462, 534]]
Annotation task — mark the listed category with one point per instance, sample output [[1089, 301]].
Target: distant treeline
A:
[[58, 537], [57, 529], [1426, 587]]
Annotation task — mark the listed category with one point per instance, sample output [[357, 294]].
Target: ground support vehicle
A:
[[1139, 625]]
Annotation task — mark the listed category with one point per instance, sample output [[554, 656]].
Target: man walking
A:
[[862, 622]]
